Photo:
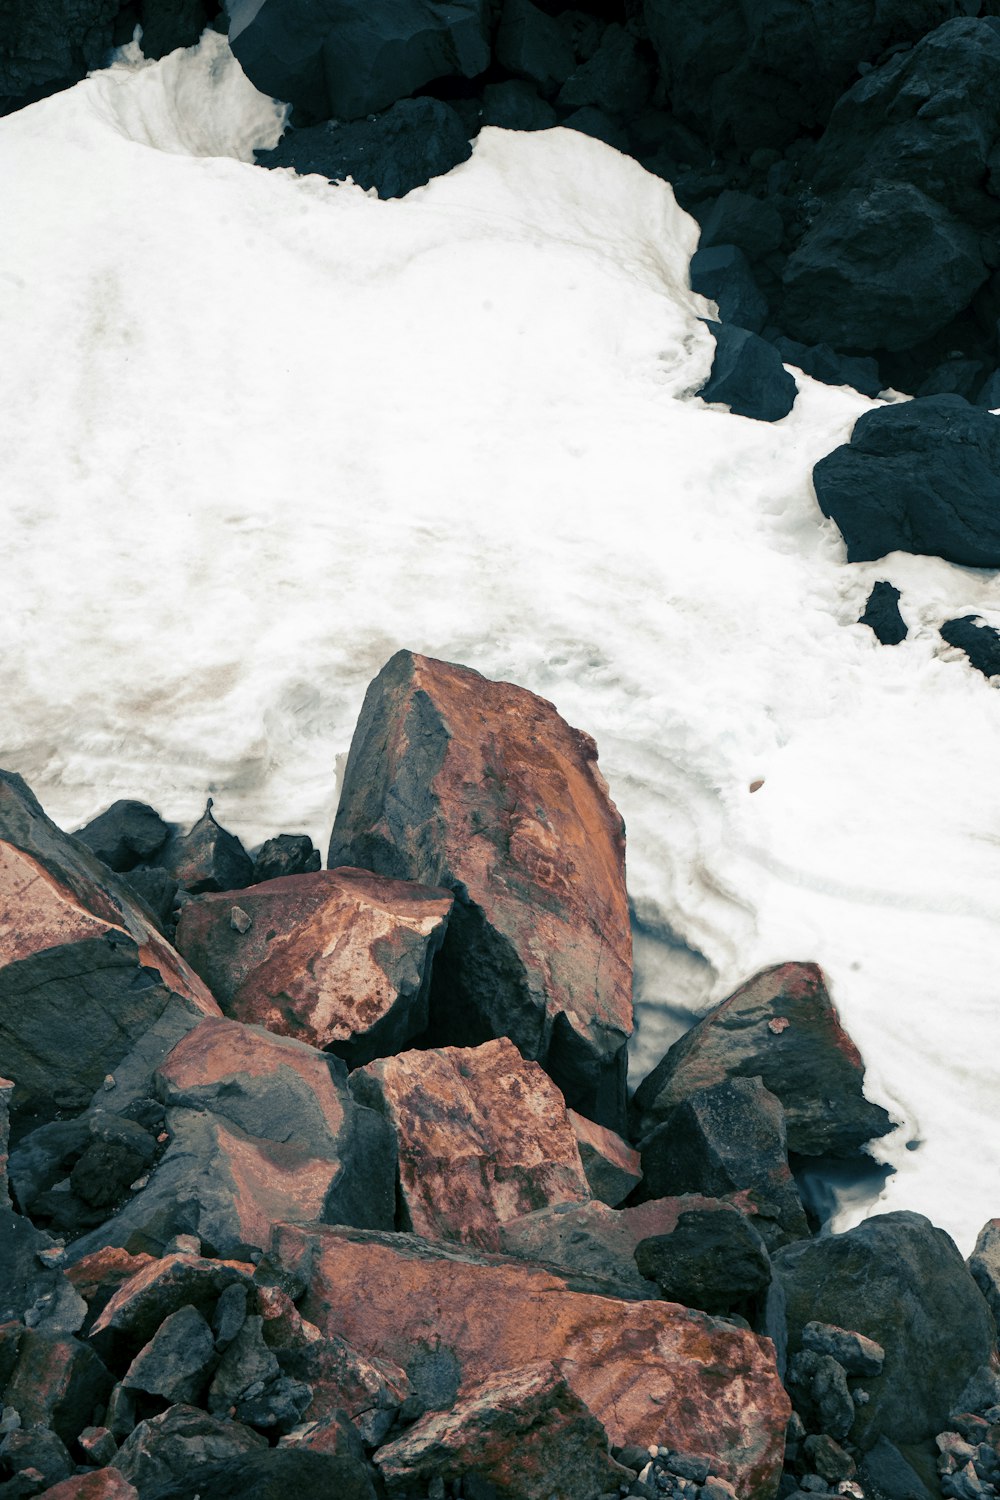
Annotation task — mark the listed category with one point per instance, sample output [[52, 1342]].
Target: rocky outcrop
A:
[[482, 1137], [782, 1027], [480, 786], [340, 959]]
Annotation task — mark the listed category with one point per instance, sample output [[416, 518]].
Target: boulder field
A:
[[329, 1182]]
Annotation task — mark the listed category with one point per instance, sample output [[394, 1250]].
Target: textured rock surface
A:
[[979, 641], [523, 1431], [155, 1290], [747, 376], [208, 858], [172, 1448], [613, 1167], [881, 614], [715, 1261], [99, 1484], [482, 1135], [782, 1027], [125, 834], [276, 1474], [984, 1263], [923, 477], [340, 959], [57, 1382], [49, 44], [876, 1280], [649, 1371], [481, 787]]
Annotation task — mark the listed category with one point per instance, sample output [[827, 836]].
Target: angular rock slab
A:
[[481, 787], [613, 1167], [651, 1372], [902, 1282], [523, 1431], [483, 1137], [340, 959], [782, 1027], [156, 1290], [174, 1446], [83, 971]]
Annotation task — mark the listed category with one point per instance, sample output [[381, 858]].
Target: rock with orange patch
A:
[[612, 1166], [651, 1372], [99, 1484], [368, 1390], [480, 786], [58, 1382], [482, 1135], [524, 1431], [340, 958], [782, 1027], [84, 973], [98, 1276], [156, 1289]]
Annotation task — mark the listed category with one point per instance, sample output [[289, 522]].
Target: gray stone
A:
[[177, 1361]]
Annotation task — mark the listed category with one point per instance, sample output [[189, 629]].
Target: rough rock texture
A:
[[747, 376], [729, 1138], [481, 787], [875, 1280], [99, 1484], [482, 1135], [881, 614], [712, 1260], [415, 140], [176, 1362], [367, 1391], [782, 1027], [980, 642], [174, 1447], [288, 854], [154, 1291], [345, 59], [83, 972], [276, 1474], [613, 1167], [340, 959], [49, 44], [523, 1431], [57, 1382], [922, 476], [532, 45], [723, 273], [984, 1263], [124, 835], [649, 1371], [209, 858]]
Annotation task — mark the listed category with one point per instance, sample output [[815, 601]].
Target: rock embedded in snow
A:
[[881, 614], [340, 959], [481, 787], [482, 1136], [722, 272], [127, 834], [810, 1063], [979, 641], [747, 375], [922, 476]]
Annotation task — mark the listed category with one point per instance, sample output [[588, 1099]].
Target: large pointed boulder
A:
[[340, 959], [480, 786]]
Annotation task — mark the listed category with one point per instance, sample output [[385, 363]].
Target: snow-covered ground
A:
[[261, 431]]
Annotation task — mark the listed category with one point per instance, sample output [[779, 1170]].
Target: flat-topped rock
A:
[[479, 786], [339, 958], [483, 1137]]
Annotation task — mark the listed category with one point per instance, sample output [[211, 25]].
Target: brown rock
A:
[[782, 1027], [612, 1166], [99, 1484], [135, 1311], [334, 1434], [651, 1372], [99, 1275], [58, 1382], [83, 971], [339, 959], [483, 1137], [523, 1431], [481, 787], [368, 1390]]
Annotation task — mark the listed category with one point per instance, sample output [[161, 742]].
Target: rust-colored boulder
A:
[[481, 787], [99, 1484], [613, 1167], [367, 1390], [156, 1289], [84, 973], [782, 1027], [58, 1382], [483, 1137], [651, 1372], [99, 1275], [524, 1431], [340, 959]]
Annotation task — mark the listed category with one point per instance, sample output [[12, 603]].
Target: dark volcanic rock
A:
[[48, 44], [876, 1279], [922, 476], [616, 80], [288, 854], [981, 643], [38, 1449], [822, 363], [515, 105], [532, 45], [713, 1260], [169, 24], [748, 376], [276, 1474], [882, 614], [58, 1382], [170, 1451], [723, 273], [345, 59], [612, 1166], [481, 787], [124, 836], [209, 858], [176, 1362], [415, 140], [782, 1027]]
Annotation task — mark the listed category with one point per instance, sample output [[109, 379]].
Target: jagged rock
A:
[[98, 1444], [98, 1484], [955, 377], [728, 1138], [175, 1447], [980, 642], [340, 959], [331, 1434], [83, 973], [741, 220], [275, 1474], [230, 1314], [782, 1027], [874, 1280], [345, 59], [984, 1264], [482, 1135], [828, 1459], [712, 1260], [532, 45], [649, 1371], [817, 1384], [857, 1354], [39, 1449], [177, 1361], [882, 614], [747, 375], [723, 273], [47, 45], [246, 1362], [368, 1391], [98, 1276], [824, 364], [415, 140], [155, 1290], [209, 858], [922, 476], [613, 1167], [157, 889], [616, 79], [598, 125], [515, 105], [169, 24], [288, 854], [57, 1382], [523, 1431], [125, 835], [481, 787], [886, 1473]]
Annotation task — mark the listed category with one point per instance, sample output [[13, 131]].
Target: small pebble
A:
[[109, 1082], [240, 920], [778, 1024], [139, 1183]]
